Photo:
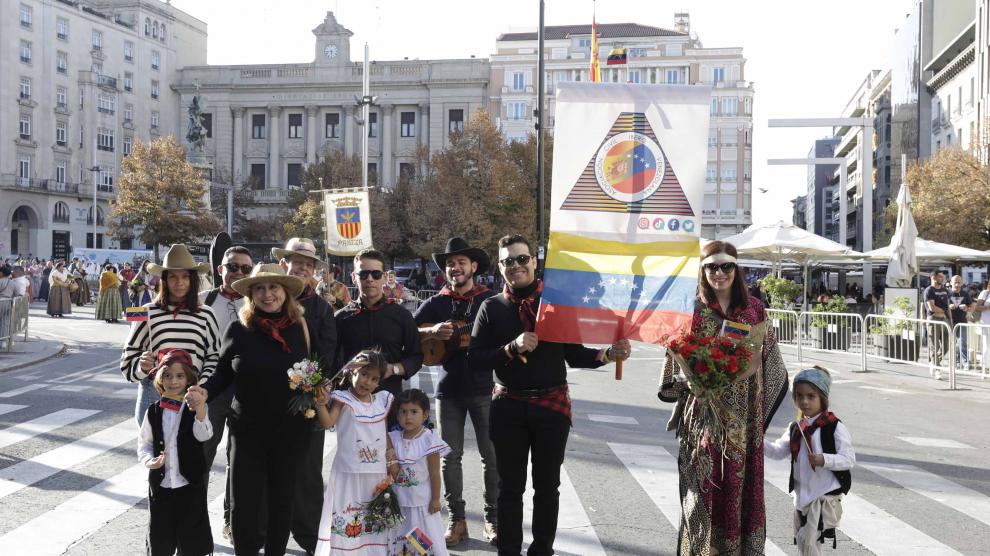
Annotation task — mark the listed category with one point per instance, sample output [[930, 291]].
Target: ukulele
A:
[[436, 351]]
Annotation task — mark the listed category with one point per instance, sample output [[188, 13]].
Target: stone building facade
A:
[[82, 82], [266, 122]]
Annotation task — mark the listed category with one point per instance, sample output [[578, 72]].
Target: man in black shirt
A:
[[531, 407], [460, 391], [371, 321], [299, 258], [936, 298]]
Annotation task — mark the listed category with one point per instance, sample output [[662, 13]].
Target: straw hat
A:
[[298, 246], [178, 258], [268, 273]]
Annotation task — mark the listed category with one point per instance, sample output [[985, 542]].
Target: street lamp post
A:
[[94, 169]]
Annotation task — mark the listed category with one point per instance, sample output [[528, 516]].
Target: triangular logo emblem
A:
[[629, 173]]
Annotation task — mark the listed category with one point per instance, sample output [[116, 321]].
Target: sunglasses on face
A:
[[375, 274], [242, 268], [520, 260], [724, 267]]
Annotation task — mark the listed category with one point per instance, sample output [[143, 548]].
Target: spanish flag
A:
[[598, 291], [595, 76], [616, 56]]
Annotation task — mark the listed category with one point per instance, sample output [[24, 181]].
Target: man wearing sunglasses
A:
[[225, 303], [300, 258], [461, 392], [372, 321], [531, 407]]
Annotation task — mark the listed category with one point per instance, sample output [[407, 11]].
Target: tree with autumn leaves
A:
[[479, 188], [161, 198], [950, 193]]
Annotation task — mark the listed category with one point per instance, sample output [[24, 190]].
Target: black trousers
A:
[[308, 501], [519, 430], [263, 470], [219, 408], [179, 520]]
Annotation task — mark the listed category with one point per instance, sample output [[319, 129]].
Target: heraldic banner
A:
[[629, 167], [348, 221]]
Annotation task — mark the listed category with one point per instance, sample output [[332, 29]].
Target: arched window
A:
[[163, 32], [61, 213], [147, 26], [99, 216], [154, 30]]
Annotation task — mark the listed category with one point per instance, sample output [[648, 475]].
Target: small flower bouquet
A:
[[305, 380], [383, 512]]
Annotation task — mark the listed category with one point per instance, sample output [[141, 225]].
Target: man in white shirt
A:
[[225, 303], [21, 282]]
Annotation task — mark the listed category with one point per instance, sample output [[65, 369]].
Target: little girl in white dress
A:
[[418, 452]]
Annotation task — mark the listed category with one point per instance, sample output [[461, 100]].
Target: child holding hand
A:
[[363, 460], [418, 451], [821, 454], [170, 445]]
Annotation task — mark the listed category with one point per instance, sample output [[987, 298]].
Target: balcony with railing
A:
[[13, 181]]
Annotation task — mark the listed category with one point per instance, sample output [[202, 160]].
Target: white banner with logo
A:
[[630, 160], [348, 221]]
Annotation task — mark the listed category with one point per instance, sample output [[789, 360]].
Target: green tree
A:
[[951, 191], [163, 195]]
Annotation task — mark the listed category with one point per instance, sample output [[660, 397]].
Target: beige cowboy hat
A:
[[178, 258], [298, 246], [269, 273]]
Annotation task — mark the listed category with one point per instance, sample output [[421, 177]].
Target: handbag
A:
[[73, 286]]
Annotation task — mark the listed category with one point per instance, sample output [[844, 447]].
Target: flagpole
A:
[[541, 241]]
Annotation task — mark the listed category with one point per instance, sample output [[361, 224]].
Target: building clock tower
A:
[[333, 43]]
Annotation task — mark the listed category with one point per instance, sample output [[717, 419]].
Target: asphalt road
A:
[[70, 482]]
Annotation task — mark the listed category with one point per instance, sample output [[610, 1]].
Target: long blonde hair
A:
[[292, 308]]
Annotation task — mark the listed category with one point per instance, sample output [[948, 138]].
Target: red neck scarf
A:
[[232, 295], [454, 296], [525, 305], [306, 294], [274, 327], [178, 307], [362, 308], [826, 418]]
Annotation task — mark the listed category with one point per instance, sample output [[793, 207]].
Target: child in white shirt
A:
[[821, 454]]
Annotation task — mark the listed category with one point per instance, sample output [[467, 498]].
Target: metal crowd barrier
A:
[[842, 332], [13, 320], [920, 342], [971, 351], [423, 295]]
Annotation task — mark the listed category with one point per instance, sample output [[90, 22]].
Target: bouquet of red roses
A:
[[712, 363]]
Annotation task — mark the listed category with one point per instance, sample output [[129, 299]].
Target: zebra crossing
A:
[[99, 444]]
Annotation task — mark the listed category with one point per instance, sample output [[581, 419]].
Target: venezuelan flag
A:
[[137, 314], [598, 291], [616, 56], [419, 541]]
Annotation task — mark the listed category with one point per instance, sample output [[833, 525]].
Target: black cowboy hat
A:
[[457, 246]]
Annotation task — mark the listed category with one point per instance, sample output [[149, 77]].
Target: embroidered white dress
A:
[[358, 467], [412, 487]]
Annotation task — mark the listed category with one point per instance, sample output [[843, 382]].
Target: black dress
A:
[[267, 443]]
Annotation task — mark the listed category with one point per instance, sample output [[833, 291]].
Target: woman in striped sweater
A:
[[175, 320]]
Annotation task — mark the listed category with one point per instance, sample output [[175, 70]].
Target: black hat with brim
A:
[[457, 246]]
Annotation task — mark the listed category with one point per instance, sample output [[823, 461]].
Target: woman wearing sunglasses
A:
[[722, 509]]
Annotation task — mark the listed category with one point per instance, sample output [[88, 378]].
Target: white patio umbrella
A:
[[784, 242], [930, 252], [903, 262]]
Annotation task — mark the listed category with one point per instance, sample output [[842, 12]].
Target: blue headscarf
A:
[[816, 376]]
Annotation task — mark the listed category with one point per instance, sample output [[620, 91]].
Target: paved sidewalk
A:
[[34, 350]]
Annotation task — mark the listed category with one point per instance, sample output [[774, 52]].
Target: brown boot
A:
[[491, 533], [456, 532]]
